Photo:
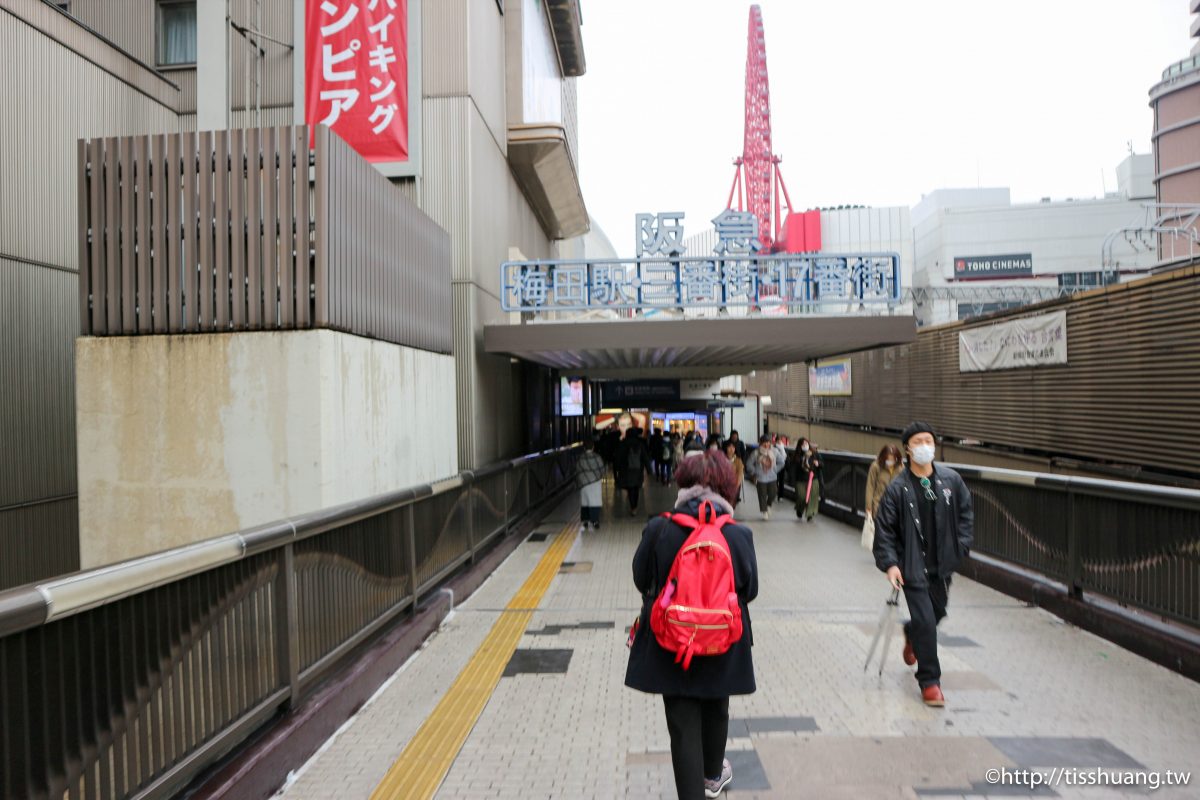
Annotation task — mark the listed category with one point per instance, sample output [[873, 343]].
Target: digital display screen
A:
[[572, 397]]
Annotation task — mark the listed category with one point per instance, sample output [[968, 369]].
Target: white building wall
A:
[[871, 230], [1064, 236]]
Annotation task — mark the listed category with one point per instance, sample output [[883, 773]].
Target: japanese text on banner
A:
[[356, 74]]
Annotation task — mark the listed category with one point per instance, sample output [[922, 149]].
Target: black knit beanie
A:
[[913, 429]]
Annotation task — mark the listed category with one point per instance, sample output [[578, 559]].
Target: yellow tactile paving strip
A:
[[420, 769]]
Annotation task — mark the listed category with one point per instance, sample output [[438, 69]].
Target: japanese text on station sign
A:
[[356, 54]]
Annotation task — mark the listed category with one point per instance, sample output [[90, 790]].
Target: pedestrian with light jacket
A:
[[763, 467], [884, 469], [924, 530]]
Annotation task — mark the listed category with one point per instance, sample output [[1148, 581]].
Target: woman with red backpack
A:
[[697, 551]]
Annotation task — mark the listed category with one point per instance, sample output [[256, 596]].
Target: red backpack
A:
[[697, 611]]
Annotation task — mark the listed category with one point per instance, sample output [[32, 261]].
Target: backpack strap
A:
[[709, 518]]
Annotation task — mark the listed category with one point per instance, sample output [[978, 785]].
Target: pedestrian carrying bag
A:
[[697, 612], [868, 533]]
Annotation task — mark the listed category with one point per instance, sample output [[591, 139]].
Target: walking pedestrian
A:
[[924, 529], [883, 471], [740, 446], [696, 700], [589, 472], [739, 469], [655, 446], [763, 466], [666, 458], [630, 465], [808, 490]]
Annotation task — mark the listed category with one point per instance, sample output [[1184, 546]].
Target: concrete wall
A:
[[182, 438]]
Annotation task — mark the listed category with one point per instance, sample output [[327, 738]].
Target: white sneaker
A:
[[713, 788]]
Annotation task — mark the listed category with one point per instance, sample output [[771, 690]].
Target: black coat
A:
[[652, 667], [629, 477], [898, 526]]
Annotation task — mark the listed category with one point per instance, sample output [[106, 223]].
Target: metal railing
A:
[[1135, 544], [128, 680], [224, 231]]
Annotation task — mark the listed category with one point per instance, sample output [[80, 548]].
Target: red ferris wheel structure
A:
[[757, 181]]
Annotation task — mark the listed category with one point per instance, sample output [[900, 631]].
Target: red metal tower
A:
[[757, 181]]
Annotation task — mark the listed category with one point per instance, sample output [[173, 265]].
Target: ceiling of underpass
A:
[[692, 348]]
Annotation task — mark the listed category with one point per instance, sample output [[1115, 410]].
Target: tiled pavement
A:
[[1024, 690]]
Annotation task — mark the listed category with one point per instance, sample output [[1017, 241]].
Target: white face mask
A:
[[804, 448], [889, 463], [924, 453]]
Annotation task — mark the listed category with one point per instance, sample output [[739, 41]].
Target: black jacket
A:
[[628, 476], [898, 524], [652, 667]]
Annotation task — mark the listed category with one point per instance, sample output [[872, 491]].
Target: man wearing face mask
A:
[[923, 531]]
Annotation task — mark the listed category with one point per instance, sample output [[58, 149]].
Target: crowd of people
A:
[[919, 528], [633, 457]]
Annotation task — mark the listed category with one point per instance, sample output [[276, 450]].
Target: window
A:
[[176, 32]]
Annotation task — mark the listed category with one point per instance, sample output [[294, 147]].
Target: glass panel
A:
[[177, 33]]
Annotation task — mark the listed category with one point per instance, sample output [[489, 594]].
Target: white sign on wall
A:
[[1028, 342]]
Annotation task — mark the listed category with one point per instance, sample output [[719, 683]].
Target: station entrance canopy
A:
[[682, 316], [697, 347]]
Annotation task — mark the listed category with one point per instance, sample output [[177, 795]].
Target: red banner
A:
[[356, 73]]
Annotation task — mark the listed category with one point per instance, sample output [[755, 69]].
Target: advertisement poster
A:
[[1029, 342], [571, 394], [357, 74], [830, 379]]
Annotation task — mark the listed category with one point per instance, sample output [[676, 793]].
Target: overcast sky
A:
[[872, 101]]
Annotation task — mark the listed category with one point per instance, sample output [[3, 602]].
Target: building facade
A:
[[976, 251], [498, 171], [1175, 101]]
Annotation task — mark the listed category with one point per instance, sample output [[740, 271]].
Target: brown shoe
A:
[[932, 695], [910, 655]]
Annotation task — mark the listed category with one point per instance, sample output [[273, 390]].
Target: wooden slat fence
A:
[[217, 232]]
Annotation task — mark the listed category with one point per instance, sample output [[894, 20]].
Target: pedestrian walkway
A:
[[1024, 690]]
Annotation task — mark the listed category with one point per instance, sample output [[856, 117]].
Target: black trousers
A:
[[768, 493], [927, 606], [698, 731], [633, 492], [590, 514]]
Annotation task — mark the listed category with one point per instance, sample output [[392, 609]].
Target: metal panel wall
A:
[[445, 186], [1128, 394], [485, 53], [130, 24], [445, 49], [73, 85], [39, 522], [61, 98]]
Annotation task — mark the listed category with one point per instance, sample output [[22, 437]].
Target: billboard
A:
[[361, 77], [1026, 342], [830, 378], [571, 397], [1016, 265]]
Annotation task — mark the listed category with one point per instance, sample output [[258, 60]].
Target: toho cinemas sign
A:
[[1016, 265]]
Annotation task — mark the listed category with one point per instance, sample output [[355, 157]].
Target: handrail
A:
[[1129, 490], [1135, 544], [29, 606]]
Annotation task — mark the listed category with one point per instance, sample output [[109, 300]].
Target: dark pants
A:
[[590, 514], [768, 493], [664, 471], [698, 731], [927, 606], [633, 492]]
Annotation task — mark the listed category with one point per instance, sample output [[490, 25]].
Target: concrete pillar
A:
[[212, 65]]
